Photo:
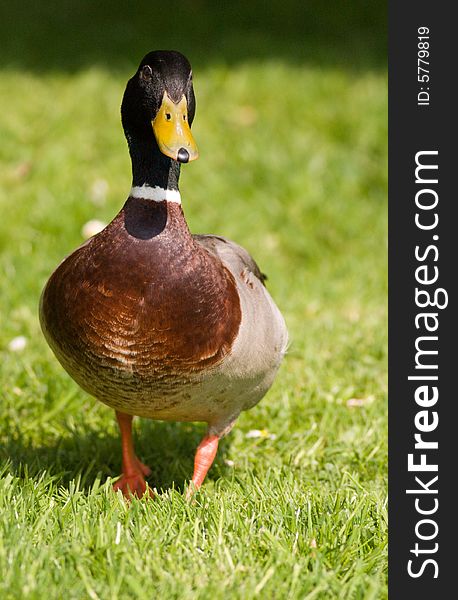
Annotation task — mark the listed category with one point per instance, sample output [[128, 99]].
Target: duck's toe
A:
[[133, 484], [143, 468]]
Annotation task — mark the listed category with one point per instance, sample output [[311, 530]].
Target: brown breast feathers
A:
[[141, 296]]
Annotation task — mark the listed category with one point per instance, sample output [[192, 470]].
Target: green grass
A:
[[293, 167]]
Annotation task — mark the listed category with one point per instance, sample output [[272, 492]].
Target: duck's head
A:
[[159, 103]]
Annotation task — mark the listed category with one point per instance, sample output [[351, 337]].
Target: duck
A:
[[150, 319]]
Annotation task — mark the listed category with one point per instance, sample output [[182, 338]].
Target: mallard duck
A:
[[152, 320]]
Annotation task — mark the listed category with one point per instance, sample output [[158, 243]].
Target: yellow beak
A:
[[172, 131]]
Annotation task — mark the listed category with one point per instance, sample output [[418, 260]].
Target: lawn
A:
[[292, 138]]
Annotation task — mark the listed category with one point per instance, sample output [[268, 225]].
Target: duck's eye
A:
[[184, 117], [168, 116], [146, 73]]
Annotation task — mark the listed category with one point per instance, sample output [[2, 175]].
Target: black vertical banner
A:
[[423, 265]]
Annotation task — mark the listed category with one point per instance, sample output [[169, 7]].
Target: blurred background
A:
[[70, 36], [291, 126]]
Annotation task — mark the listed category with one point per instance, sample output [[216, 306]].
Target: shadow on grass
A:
[[168, 448], [69, 35]]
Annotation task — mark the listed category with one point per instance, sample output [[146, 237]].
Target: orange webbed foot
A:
[[132, 481], [133, 484]]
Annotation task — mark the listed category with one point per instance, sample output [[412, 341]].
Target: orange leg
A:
[[205, 455], [132, 480]]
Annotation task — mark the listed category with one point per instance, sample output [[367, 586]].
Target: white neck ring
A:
[[156, 194]]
